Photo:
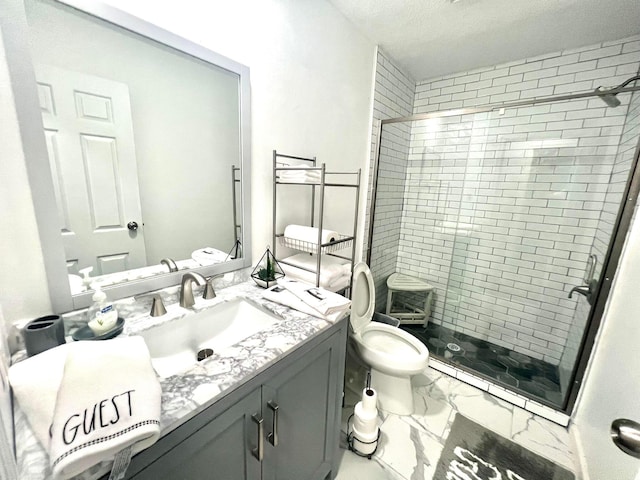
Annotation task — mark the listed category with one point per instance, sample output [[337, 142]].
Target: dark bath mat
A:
[[471, 446]]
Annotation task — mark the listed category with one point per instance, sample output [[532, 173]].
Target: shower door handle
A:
[[626, 435], [586, 290]]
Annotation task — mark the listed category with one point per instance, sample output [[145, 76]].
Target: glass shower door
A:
[[542, 186]]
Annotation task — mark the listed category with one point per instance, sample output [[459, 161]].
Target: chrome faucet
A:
[[171, 265], [186, 289]]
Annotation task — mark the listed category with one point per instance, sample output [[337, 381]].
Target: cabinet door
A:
[[304, 434], [221, 450]]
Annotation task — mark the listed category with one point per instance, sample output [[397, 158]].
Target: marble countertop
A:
[[187, 394]]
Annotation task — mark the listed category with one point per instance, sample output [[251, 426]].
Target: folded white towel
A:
[[209, 256], [331, 267], [284, 297], [108, 402], [305, 172], [340, 283], [310, 234], [304, 179], [300, 175], [318, 298], [336, 284], [35, 382]]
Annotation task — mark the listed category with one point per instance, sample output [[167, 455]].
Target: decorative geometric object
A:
[[267, 272]]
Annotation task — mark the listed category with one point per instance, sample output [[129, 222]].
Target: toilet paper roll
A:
[[309, 234], [364, 421], [370, 400], [365, 442]]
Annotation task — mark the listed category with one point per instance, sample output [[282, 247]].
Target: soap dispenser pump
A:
[[86, 279], [102, 314]]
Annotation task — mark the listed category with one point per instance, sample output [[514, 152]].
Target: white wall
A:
[[612, 384], [23, 284], [393, 97], [311, 76]]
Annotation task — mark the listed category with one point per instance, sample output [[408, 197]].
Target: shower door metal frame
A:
[[614, 249]]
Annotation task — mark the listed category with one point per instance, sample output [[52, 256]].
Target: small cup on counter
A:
[[43, 333]]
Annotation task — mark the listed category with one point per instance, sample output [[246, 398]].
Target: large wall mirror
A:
[[144, 150]]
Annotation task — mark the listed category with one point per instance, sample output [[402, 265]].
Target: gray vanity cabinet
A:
[[298, 403], [219, 450], [298, 400]]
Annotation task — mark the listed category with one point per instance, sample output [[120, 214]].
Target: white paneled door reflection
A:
[[89, 134]]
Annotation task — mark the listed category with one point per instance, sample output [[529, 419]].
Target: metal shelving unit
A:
[[282, 163]]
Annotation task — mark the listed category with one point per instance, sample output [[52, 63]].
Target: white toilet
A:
[[393, 354]]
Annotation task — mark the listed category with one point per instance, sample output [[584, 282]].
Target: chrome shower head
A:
[[610, 98]]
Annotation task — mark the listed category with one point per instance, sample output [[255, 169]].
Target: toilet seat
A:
[[383, 346], [363, 298]]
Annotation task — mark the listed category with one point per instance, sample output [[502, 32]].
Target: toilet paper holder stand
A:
[[350, 440]]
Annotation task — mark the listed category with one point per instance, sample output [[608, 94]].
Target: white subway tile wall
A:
[[499, 211], [611, 203], [394, 92]]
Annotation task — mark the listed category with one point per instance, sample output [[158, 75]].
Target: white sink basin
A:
[[174, 345]]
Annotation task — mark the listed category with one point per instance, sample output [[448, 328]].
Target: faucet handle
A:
[[157, 306], [209, 291]]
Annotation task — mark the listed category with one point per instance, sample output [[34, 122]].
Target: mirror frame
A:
[[14, 31]]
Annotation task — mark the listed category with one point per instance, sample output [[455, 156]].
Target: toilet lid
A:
[[363, 300]]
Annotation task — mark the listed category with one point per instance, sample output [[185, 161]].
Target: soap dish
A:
[[85, 333]]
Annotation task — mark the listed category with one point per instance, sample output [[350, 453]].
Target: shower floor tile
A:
[[514, 370]]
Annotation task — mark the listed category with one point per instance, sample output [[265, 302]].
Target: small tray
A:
[[85, 333]]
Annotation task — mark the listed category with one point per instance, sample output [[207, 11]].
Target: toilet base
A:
[[394, 392]]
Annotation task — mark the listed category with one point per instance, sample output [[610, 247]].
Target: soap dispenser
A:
[[86, 279], [102, 314]]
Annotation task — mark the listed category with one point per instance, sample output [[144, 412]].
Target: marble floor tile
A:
[[353, 467], [543, 437], [410, 446], [472, 402], [430, 415]]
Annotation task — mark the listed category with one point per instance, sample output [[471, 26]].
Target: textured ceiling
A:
[[430, 38]]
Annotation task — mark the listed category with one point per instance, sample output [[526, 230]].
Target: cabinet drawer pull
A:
[[273, 436], [258, 452]]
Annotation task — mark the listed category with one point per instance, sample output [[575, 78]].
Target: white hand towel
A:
[[35, 382], [209, 256], [310, 234], [108, 401], [306, 174], [304, 179], [340, 283], [318, 298], [307, 277], [284, 297], [331, 267]]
